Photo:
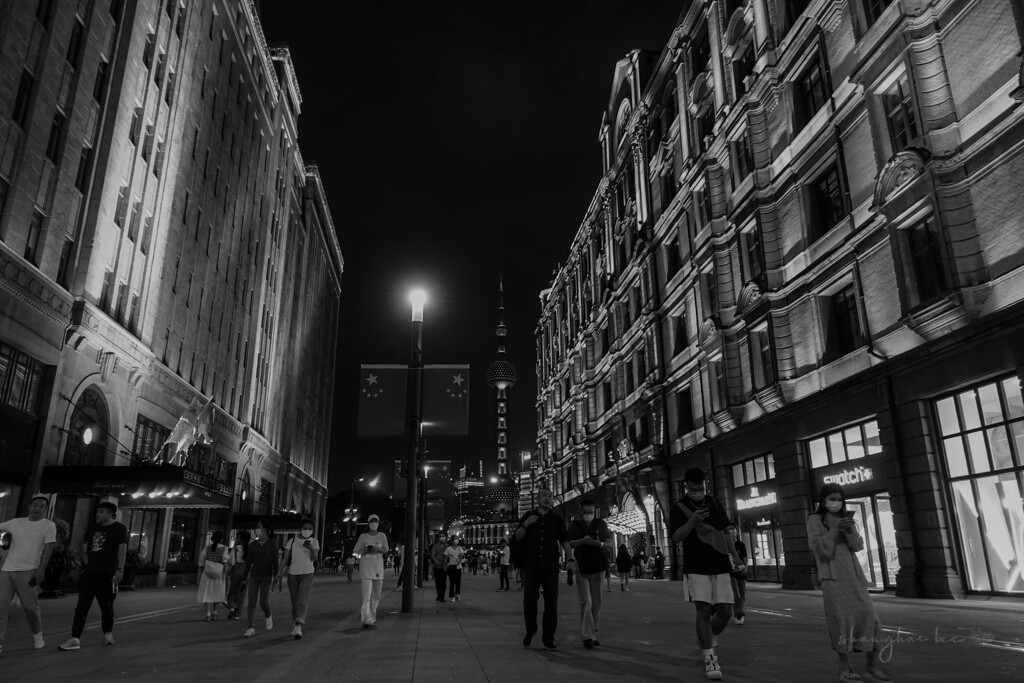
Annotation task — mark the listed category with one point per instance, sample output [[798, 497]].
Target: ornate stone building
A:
[[164, 249], [804, 265]]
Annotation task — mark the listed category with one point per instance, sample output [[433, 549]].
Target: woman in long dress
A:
[[213, 565], [849, 613]]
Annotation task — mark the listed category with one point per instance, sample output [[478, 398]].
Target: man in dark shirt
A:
[[542, 533], [104, 550], [698, 522], [589, 537]]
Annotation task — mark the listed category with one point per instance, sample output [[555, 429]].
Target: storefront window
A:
[[142, 532], [982, 432], [756, 505], [182, 543]]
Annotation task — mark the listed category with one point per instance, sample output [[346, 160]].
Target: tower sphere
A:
[[502, 374]]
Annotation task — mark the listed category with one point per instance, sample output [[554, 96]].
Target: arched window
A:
[[245, 495], [621, 120], [87, 431]]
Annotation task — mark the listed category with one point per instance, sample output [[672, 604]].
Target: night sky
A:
[[456, 141]]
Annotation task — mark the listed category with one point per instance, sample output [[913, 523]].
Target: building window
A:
[[5, 188], [720, 384], [709, 290], [810, 92], [21, 101], [827, 203], [750, 240], [673, 262], [149, 439], [844, 334], [684, 412], [35, 230], [21, 380], [873, 9], [753, 471], [700, 54], [680, 339], [743, 67], [847, 444], [761, 356], [790, 11], [64, 267], [53, 142], [899, 114], [982, 432], [99, 86], [74, 55], [742, 159], [606, 395], [928, 278], [82, 176]]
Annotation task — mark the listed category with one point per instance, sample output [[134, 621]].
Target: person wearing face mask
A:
[[260, 573], [454, 556], [371, 547], [853, 626], [698, 521], [589, 537], [299, 556], [543, 536]]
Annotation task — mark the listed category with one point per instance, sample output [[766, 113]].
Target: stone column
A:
[[915, 482], [161, 550], [717, 63], [794, 491]]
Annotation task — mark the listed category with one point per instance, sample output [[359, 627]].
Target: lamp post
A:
[[421, 569], [414, 428], [351, 509]]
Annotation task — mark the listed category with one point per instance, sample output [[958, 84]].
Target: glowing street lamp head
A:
[[418, 298], [87, 436], [373, 483]]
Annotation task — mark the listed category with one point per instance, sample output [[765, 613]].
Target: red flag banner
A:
[[381, 400], [446, 400]]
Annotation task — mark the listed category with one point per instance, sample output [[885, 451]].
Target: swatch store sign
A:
[[857, 477]]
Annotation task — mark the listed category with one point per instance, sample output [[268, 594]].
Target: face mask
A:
[[696, 497], [306, 533], [833, 505], [374, 525]]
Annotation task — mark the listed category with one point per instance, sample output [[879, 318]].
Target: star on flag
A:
[[373, 388], [455, 389]]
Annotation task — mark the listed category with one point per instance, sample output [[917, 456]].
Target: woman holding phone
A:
[[371, 547], [852, 623], [299, 557]]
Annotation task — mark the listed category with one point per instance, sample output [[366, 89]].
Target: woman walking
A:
[[236, 587], [213, 561], [623, 565], [852, 623], [371, 547], [299, 556], [454, 556], [260, 573]]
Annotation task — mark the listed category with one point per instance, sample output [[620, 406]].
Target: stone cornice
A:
[[26, 283]]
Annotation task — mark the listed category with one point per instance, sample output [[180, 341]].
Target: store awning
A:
[[282, 524], [628, 522], [139, 486]]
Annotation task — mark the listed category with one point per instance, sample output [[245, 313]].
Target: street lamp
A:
[[351, 510], [414, 428]]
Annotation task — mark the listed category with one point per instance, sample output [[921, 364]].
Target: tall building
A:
[[803, 265], [502, 376], [166, 251]]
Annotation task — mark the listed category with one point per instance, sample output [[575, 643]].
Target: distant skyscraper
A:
[[502, 376]]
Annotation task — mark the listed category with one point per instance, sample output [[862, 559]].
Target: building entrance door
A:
[[879, 559]]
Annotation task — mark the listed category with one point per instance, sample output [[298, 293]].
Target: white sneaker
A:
[[738, 621], [297, 631], [70, 644], [294, 628], [712, 670], [108, 638], [270, 623], [37, 641], [249, 632]]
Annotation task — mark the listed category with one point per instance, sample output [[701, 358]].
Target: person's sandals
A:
[[849, 676]]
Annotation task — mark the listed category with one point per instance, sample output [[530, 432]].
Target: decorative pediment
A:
[[709, 330], [700, 95], [750, 294], [737, 26], [902, 168]]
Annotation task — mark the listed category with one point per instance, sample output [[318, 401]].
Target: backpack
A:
[[515, 551]]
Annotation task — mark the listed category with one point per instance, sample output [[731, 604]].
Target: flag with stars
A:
[[382, 400], [446, 400]]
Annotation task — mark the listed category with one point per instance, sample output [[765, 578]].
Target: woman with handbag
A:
[[213, 562], [299, 556], [236, 590]]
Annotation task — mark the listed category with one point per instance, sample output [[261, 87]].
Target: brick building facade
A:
[[804, 264], [164, 246]]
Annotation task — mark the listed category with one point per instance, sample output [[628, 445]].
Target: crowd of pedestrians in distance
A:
[[542, 546]]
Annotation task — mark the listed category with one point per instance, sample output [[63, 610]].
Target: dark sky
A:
[[455, 141]]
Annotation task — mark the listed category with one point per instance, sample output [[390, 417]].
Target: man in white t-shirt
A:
[[32, 540], [506, 555]]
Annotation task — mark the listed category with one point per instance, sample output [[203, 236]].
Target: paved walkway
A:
[[646, 635]]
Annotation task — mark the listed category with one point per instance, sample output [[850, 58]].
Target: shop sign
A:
[[750, 497], [863, 475]]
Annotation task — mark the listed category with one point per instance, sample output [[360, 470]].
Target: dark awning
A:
[[139, 486], [282, 524]]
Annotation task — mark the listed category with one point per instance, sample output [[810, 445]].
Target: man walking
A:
[[542, 533], [588, 537], [504, 554], [698, 522], [659, 562], [436, 552], [103, 549], [31, 540]]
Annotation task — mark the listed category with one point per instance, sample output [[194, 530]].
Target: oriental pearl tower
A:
[[501, 495]]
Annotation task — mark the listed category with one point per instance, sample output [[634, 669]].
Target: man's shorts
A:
[[714, 589]]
